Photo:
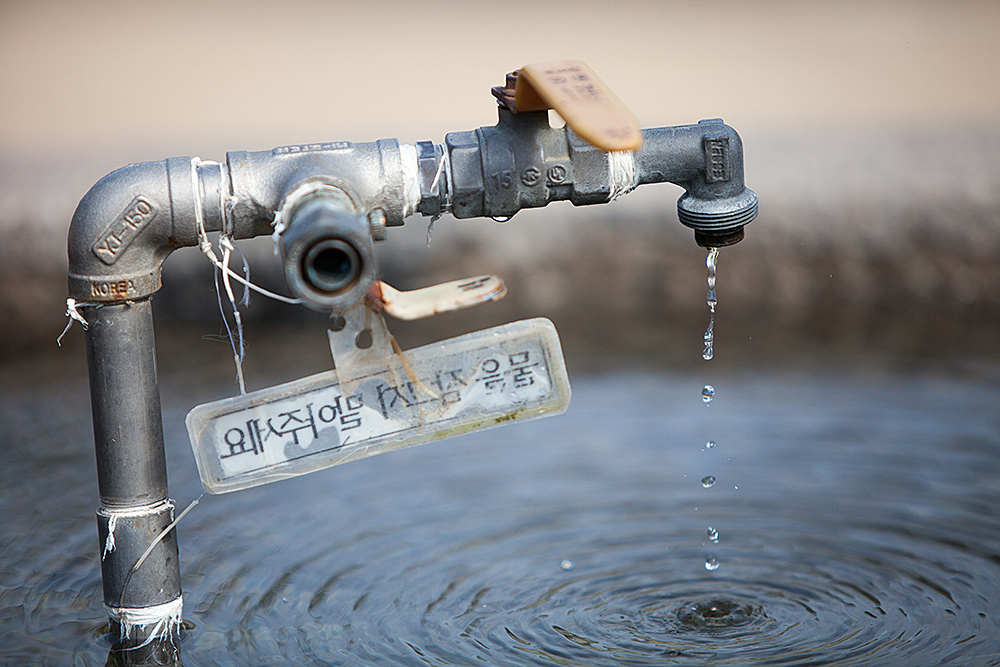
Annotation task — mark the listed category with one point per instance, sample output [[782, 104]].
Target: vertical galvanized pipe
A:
[[131, 464]]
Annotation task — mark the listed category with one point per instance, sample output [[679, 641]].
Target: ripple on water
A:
[[717, 613], [836, 571], [835, 551], [633, 595]]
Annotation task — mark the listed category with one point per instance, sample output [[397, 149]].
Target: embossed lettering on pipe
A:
[[124, 229]]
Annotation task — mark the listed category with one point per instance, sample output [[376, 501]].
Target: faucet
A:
[[326, 204]]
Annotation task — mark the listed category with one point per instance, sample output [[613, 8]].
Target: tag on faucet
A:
[[510, 373], [585, 102]]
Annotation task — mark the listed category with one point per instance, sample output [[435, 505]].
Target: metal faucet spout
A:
[[706, 159]]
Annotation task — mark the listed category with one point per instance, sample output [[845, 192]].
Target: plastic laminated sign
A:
[[509, 373]]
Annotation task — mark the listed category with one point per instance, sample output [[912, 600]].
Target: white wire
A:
[[226, 204], [73, 313]]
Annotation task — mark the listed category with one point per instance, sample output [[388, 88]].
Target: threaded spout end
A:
[[718, 222]]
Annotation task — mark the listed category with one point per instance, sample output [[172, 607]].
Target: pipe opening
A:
[[718, 239], [331, 266]]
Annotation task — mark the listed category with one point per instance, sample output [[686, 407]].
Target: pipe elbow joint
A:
[[124, 228], [717, 205]]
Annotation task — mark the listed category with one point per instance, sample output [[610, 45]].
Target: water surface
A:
[[863, 531]]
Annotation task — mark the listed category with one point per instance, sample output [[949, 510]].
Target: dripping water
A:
[[710, 262], [708, 393]]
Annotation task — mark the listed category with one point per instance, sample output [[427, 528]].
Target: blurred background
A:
[[872, 136], [871, 131]]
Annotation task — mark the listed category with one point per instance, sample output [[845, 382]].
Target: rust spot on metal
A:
[[505, 93], [375, 296]]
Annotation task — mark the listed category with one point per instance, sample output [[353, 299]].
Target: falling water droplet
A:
[[708, 393], [710, 444], [711, 563], [430, 229], [710, 263], [708, 481], [713, 534], [566, 565]]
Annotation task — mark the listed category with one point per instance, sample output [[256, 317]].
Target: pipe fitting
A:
[[717, 204], [523, 162], [133, 218], [126, 225], [326, 246]]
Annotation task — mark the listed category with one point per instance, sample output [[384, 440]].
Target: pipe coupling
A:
[[326, 246]]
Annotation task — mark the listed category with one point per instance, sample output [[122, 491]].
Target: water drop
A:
[[713, 534], [501, 218], [710, 444], [708, 393], [430, 229], [708, 481], [712, 300], [709, 341], [566, 565], [711, 563], [710, 262]]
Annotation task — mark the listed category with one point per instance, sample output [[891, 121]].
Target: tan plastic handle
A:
[[444, 298], [585, 102]]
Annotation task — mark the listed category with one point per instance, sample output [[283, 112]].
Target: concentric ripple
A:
[[716, 613], [638, 601]]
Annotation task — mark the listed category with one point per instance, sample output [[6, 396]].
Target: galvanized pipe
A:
[[131, 464], [128, 431]]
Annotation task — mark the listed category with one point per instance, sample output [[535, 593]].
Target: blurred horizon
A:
[[871, 132]]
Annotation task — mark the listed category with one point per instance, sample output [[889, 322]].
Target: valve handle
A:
[[585, 102], [437, 299], [360, 340]]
